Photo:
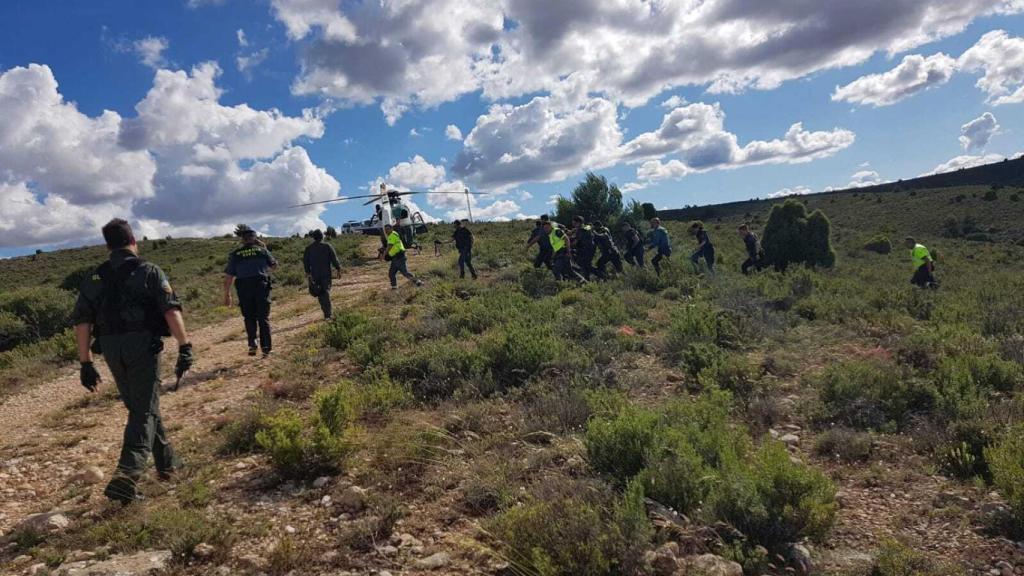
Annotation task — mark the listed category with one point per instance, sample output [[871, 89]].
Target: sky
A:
[[188, 116]]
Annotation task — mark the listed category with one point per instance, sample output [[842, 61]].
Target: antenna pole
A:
[[469, 207]]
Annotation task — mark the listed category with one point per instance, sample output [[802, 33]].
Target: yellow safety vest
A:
[[919, 255], [557, 241], [395, 245]]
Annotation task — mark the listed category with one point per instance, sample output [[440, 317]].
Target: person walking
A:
[[755, 254], [395, 254], [609, 252], [463, 239], [705, 249], [541, 238], [561, 247], [128, 306], [924, 265], [659, 240], [634, 245], [249, 267], [583, 248], [318, 259]]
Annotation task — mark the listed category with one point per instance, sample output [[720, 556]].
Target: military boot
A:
[[123, 488]]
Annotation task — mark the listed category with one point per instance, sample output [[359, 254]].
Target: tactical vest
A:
[[557, 242], [395, 244], [113, 299]]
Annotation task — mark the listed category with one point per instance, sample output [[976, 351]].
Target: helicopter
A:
[[407, 222]]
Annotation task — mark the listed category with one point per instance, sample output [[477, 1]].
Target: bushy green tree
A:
[[793, 237], [594, 199]]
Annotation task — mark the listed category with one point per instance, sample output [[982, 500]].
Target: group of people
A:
[[128, 306], [569, 253]]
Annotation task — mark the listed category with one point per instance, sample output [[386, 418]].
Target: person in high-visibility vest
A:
[[924, 265], [395, 253], [583, 248], [561, 246]]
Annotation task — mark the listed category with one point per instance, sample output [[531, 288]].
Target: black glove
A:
[[185, 360], [89, 377]]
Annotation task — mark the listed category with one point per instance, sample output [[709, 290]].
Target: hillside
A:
[[833, 421], [991, 196]]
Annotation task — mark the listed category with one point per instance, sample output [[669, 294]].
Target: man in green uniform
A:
[[318, 260], [395, 253], [128, 305], [924, 265], [249, 267]]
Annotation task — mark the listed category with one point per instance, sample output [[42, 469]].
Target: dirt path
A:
[[51, 432]]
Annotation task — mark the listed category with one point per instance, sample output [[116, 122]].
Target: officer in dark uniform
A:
[[609, 252], [634, 245], [583, 248], [543, 242], [318, 259], [463, 239], [249, 267], [127, 305]]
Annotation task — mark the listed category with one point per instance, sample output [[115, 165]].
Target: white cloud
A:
[[976, 134], [150, 51], [1001, 59], [247, 62], [185, 162], [695, 134], [795, 191], [546, 139], [864, 178], [452, 132], [914, 74], [965, 161], [674, 101], [413, 132], [404, 53], [242, 40], [525, 196], [417, 173]]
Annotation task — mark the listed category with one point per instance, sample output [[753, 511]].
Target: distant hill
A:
[[985, 203]]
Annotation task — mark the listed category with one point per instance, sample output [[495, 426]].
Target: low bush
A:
[[870, 394], [238, 434], [879, 244], [538, 282], [42, 310], [1006, 461], [519, 351], [434, 370], [733, 373], [341, 331], [301, 450], [572, 527], [896, 559], [844, 444]]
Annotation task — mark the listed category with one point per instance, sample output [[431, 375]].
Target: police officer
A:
[[755, 254], [318, 259], [634, 245], [249, 267], [543, 242], [463, 239], [395, 253], [583, 246], [128, 305], [659, 240], [609, 252], [561, 246]]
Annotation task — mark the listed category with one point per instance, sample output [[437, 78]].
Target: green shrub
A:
[[298, 450], [700, 356], [1006, 460], [879, 244], [43, 310], [73, 281], [618, 446], [844, 444], [773, 500], [674, 473], [517, 352], [871, 394], [341, 331], [896, 559], [733, 373], [238, 435], [434, 370], [570, 527], [13, 330], [538, 282], [793, 237]]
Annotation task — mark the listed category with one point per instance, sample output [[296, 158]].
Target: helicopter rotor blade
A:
[[335, 200]]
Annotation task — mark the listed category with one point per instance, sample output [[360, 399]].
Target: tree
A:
[[331, 233], [793, 237], [594, 199], [648, 210]]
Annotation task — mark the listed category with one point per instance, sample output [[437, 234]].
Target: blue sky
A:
[[187, 116]]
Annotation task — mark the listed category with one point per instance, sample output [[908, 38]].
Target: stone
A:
[[790, 439], [203, 550], [325, 501], [80, 556], [388, 550], [45, 522], [1005, 568], [321, 482], [800, 558], [711, 565], [37, 569], [90, 475], [662, 562], [139, 564], [406, 540], [289, 529], [434, 561], [352, 499]]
